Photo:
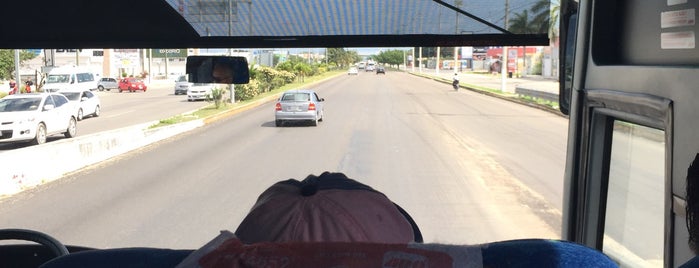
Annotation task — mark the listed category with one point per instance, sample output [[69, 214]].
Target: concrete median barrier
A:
[[34, 165]]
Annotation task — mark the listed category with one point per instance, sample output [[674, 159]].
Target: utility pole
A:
[[419, 61], [250, 17], [436, 67], [412, 62], [456, 59], [457, 3], [503, 61], [150, 60], [230, 23], [18, 78], [404, 61]]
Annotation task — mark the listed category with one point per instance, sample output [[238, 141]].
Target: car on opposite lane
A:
[[86, 103], [298, 106], [33, 117], [131, 84], [380, 70], [182, 85], [199, 91], [353, 71], [107, 83]]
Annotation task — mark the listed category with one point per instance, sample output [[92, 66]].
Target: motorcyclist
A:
[[455, 81]]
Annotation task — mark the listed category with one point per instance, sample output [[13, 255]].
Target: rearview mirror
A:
[[218, 69], [568, 30]]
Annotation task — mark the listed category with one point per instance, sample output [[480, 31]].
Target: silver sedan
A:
[[298, 106]]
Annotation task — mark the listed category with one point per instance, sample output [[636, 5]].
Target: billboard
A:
[[169, 53], [126, 58]]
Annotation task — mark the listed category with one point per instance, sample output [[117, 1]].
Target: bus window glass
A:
[[633, 228]]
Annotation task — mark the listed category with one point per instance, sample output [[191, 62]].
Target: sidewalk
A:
[[494, 81]]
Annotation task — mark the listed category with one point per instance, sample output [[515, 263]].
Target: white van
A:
[[74, 78]]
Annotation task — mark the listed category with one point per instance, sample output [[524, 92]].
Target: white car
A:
[[70, 78], [199, 91], [86, 103], [353, 71], [182, 85], [33, 117]]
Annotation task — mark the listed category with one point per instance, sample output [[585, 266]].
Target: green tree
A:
[[341, 57], [521, 24], [302, 70], [7, 61], [390, 57], [217, 96], [546, 14], [286, 66]]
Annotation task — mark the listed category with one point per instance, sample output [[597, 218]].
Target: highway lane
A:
[[130, 108], [467, 167]]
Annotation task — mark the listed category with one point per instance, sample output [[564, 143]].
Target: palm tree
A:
[[545, 11], [546, 16], [545, 19], [521, 24]]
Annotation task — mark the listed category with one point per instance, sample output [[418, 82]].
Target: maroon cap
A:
[[327, 208]]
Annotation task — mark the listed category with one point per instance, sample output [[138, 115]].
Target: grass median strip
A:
[[211, 110]]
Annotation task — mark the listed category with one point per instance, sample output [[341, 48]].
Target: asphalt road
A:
[[469, 169], [130, 108]]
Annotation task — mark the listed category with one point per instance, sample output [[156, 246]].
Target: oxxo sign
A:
[[169, 52]]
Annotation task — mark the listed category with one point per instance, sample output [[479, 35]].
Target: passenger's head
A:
[[326, 208], [222, 73]]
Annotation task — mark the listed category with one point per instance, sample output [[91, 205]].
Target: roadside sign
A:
[[169, 53]]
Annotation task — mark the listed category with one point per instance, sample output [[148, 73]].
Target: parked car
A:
[[131, 84], [86, 103], [353, 71], [34, 116], [380, 70], [107, 83], [199, 91], [299, 105], [182, 85]]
